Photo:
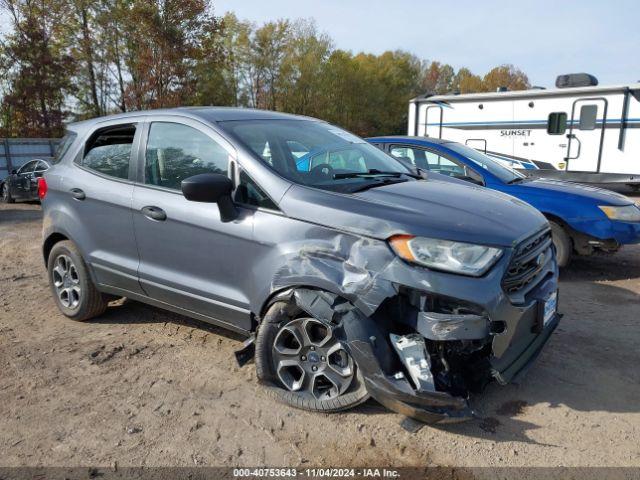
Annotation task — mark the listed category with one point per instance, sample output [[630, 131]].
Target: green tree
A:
[[269, 47], [302, 68], [221, 76]]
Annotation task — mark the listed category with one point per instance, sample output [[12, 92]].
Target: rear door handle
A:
[[154, 213], [77, 194]]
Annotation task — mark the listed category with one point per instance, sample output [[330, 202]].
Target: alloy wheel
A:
[[311, 361], [66, 281]]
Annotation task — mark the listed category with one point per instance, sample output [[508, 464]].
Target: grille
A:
[[527, 261]]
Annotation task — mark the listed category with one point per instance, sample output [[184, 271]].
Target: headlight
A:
[[626, 213], [456, 257]]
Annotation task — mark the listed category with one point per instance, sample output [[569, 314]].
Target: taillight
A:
[[42, 188]]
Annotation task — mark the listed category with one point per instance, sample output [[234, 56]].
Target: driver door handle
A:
[[154, 213]]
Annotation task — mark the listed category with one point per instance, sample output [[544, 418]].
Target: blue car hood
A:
[[429, 208], [560, 188]]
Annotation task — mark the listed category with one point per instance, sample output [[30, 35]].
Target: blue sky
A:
[[543, 38]]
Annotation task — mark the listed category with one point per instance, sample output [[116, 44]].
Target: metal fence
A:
[[15, 152]]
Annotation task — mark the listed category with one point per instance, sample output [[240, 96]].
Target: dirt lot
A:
[[140, 386]]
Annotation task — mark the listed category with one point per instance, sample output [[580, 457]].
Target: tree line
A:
[[68, 60]]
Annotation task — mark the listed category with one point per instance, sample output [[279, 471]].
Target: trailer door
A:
[[586, 135]]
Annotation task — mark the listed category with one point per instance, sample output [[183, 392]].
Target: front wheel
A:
[[303, 362], [562, 242], [6, 194]]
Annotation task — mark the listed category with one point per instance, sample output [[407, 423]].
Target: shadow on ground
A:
[[125, 311], [19, 215]]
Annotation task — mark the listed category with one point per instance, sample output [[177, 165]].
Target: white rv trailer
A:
[[581, 132]]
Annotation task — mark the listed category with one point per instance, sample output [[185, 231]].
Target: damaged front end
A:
[[425, 341], [440, 354]]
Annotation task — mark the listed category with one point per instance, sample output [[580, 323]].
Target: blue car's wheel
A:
[[562, 242]]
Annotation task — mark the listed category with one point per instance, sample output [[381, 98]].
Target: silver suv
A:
[[349, 274]]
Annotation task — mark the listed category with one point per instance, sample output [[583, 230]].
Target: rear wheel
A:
[[562, 242], [6, 194], [74, 292], [303, 362]]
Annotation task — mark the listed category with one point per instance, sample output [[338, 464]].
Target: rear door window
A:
[[108, 151]]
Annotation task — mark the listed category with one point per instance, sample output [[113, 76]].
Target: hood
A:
[[431, 208], [600, 196]]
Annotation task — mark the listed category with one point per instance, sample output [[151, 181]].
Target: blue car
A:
[[583, 219]]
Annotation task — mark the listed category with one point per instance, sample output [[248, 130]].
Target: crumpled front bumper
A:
[[512, 350], [399, 395]]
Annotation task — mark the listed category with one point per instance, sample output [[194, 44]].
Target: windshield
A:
[[504, 173], [317, 154]]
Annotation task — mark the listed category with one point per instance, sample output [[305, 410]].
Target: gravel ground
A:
[[140, 386]]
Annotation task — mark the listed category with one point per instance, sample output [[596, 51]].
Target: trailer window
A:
[[557, 124], [588, 116]]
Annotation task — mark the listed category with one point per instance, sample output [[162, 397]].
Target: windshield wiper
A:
[[379, 183], [516, 180], [373, 173]]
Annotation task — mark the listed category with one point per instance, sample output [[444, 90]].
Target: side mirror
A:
[[211, 188], [14, 172]]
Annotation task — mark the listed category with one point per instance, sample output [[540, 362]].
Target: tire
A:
[[562, 242], [317, 392], [73, 290], [6, 194]]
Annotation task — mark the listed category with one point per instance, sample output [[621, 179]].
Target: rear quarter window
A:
[[64, 146]]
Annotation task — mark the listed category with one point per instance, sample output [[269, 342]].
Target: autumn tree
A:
[[64, 60], [36, 68], [438, 78], [465, 81], [165, 43], [506, 76]]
